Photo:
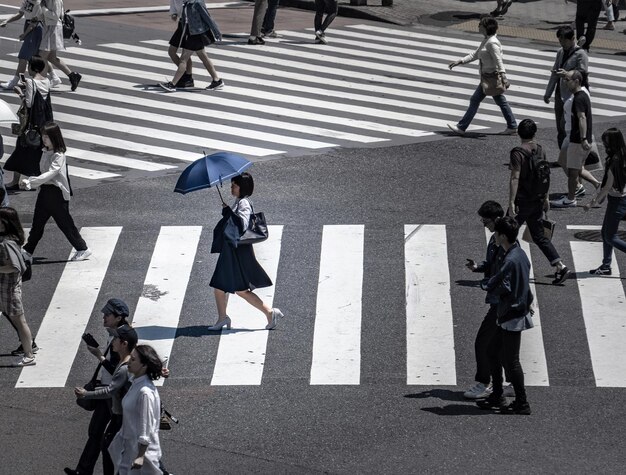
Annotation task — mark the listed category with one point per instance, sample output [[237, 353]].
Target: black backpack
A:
[[68, 27], [539, 173]]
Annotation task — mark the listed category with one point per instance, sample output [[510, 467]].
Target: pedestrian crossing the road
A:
[[332, 346], [371, 86]]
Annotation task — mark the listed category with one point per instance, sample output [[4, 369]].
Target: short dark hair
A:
[[565, 32], [12, 225], [36, 64], [490, 24], [151, 360], [527, 129], [507, 226], [490, 210], [53, 131], [577, 76], [245, 184]]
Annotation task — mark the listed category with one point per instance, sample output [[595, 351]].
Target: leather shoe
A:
[[69, 471]]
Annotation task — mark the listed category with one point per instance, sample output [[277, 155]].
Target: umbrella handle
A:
[[220, 193]]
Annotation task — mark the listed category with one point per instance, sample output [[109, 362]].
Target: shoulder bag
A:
[[492, 83], [31, 136], [90, 404], [22, 117], [257, 228]]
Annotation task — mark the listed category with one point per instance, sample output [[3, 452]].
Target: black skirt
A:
[[190, 42], [238, 270]]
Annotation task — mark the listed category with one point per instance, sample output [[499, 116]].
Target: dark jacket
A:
[[198, 20], [577, 60], [511, 284], [490, 266], [227, 231]]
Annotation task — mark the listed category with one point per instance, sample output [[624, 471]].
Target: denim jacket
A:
[[512, 285], [197, 19]]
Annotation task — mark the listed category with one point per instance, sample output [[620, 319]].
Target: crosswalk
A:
[[335, 339], [371, 86]]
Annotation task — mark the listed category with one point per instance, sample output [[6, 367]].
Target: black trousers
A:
[[113, 428], [51, 204], [587, 11], [99, 420], [484, 337], [504, 352], [532, 215], [559, 115], [330, 7]]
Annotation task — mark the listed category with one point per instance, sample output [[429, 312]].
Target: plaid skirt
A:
[[11, 294]]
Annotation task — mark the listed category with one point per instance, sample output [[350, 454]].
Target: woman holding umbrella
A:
[[237, 270]]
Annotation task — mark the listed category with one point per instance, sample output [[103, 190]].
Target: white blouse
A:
[[243, 209], [489, 53]]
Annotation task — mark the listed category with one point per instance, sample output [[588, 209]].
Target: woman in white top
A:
[[53, 200], [613, 185], [136, 448], [237, 270], [52, 41], [489, 54]]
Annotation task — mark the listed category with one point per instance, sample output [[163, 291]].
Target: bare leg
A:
[[208, 64], [23, 331], [173, 54], [182, 65], [586, 175], [59, 63], [221, 301], [254, 300]]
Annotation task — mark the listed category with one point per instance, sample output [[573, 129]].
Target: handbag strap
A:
[[69, 183], [95, 374]]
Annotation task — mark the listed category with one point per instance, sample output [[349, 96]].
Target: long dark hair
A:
[[615, 147], [151, 360], [53, 131], [12, 225]]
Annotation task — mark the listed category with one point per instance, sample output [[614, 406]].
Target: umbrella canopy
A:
[[6, 114], [211, 170]]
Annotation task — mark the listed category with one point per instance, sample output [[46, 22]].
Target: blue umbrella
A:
[[211, 170]]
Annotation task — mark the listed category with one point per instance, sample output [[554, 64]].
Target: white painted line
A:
[[429, 327], [158, 308], [157, 9], [337, 334], [532, 351], [241, 351], [293, 100], [604, 310], [585, 227], [59, 335], [78, 172]]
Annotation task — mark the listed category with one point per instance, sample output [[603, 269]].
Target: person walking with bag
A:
[[136, 448], [12, 266], [53, 200], [198, 30], [114, 315], [613, 186], [35, 95], [237, 270], [186, 80], [492, 75], [528, 193]]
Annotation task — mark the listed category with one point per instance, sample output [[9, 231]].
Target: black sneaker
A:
[[602, 270], [256, 41], [560, 276], [74, 80], [168, 86], [216, 85], [492, 402], [70, 471], [185, 81], [521, 408], [19, 351]]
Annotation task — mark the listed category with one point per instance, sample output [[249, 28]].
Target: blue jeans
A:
[[270, 16], [615, 211], [475, 101]]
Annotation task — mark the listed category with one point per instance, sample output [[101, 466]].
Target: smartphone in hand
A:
[[90, 340], [22, 77]]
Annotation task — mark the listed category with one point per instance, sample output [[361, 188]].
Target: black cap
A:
[[125, 333], [116, 307]]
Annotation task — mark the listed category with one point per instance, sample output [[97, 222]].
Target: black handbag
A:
[[22, 116], [90, 404], [31, 137], [257, 229]]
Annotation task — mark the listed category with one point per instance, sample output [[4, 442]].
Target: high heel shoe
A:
[[276, 314], [221, 323]]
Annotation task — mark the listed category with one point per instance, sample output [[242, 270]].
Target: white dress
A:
[[142, 413], [52, 39]]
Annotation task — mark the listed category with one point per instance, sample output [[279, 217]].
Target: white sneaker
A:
[[55, 81], [478, 391], [11, 84], [563, 202], [508, 131], [81, 255], [24, 361], [276, 314], [508, 391], [456, 129]]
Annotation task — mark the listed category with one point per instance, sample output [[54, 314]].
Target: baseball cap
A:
[[125, 333], [116, 307]]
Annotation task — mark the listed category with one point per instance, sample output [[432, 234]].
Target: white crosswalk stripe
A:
[[371, 85], [335, 339]]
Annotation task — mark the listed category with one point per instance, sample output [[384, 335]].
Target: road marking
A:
[[604, 311], [158, 308], [241, 351], [337, 333], [429, 327], [60, 332]]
